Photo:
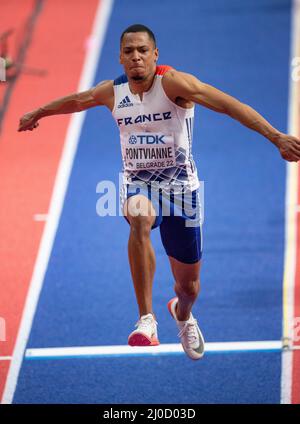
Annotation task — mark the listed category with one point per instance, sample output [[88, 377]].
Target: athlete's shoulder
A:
[[103, 88], [103, 93], [168, 73], [176, 75], [176, 83], [179, 84]]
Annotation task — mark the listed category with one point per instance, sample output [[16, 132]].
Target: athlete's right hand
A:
[[289, 147], [29, 121]]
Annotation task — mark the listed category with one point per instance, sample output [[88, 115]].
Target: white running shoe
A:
[[189, 332], [146, 332]]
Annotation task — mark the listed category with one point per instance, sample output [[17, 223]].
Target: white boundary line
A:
[[125, 350], [291, 206], [57, 200]]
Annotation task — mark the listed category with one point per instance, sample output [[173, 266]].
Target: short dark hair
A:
[[139, 28]]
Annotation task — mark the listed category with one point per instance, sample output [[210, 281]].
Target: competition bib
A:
[[143, 151]]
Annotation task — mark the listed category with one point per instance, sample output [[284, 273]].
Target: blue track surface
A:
[[173, 380], [88, 299]]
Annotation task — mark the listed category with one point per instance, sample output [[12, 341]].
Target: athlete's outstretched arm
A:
[[100, 95], [186, 86]]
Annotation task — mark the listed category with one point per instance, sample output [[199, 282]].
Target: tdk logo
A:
[[132, 139], [125, 103], [146, 139]]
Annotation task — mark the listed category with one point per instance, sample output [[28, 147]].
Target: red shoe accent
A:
[[140, 339]]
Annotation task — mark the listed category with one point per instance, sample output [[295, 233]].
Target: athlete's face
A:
[[138, 55]]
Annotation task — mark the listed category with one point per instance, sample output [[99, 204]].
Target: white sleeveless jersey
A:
[[156, 136]]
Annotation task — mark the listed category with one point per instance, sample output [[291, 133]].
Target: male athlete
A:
[[153, 107]]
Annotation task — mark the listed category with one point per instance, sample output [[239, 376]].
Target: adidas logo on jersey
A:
[[125, 103]]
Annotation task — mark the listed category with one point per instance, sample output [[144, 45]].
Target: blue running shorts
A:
[[178, 217]]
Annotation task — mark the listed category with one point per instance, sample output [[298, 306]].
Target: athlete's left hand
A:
[[29, 121], [289, 147]]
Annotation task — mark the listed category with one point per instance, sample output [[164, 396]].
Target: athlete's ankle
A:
[[147, 313], [181, 316]]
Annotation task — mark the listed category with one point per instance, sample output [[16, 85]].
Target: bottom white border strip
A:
[[155, 350]]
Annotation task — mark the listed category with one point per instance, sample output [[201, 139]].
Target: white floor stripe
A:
[[124, 350], [290, 216], [57, 200]]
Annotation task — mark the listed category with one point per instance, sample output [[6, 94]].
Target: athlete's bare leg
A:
[[187, 286], [140, 251]]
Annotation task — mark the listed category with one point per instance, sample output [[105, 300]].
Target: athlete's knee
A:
[[138, 205], [140, 227], [187, 287]]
